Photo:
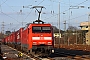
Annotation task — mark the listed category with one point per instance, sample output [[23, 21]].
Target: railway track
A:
[[60, 54], [11, 53], [73, 54], [63, 56], [74, 47]]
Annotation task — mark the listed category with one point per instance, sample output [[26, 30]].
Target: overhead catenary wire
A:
[[65, 10], [3, 2], [77, 17], [0, 6], [40, 2], [9, 16], [82, 2], [43, 1], [31, 10], [15, 11]]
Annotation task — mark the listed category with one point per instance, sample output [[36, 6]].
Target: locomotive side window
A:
[[41, 29]]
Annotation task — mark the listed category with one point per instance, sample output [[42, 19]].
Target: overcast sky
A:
[[13, 14]]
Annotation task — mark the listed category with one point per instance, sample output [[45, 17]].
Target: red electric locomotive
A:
[[37, 38]]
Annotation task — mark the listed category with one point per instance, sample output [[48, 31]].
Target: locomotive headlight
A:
[[53, 51]]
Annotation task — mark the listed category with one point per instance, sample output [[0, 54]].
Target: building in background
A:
[[57, 35], [85, 26]]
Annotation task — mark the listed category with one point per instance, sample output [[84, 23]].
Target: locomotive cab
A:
[[42, 38]]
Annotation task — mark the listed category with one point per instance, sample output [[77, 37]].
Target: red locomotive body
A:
[[42, 34], [37, 36]]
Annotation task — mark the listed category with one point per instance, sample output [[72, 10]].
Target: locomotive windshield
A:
[[42, 29]]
